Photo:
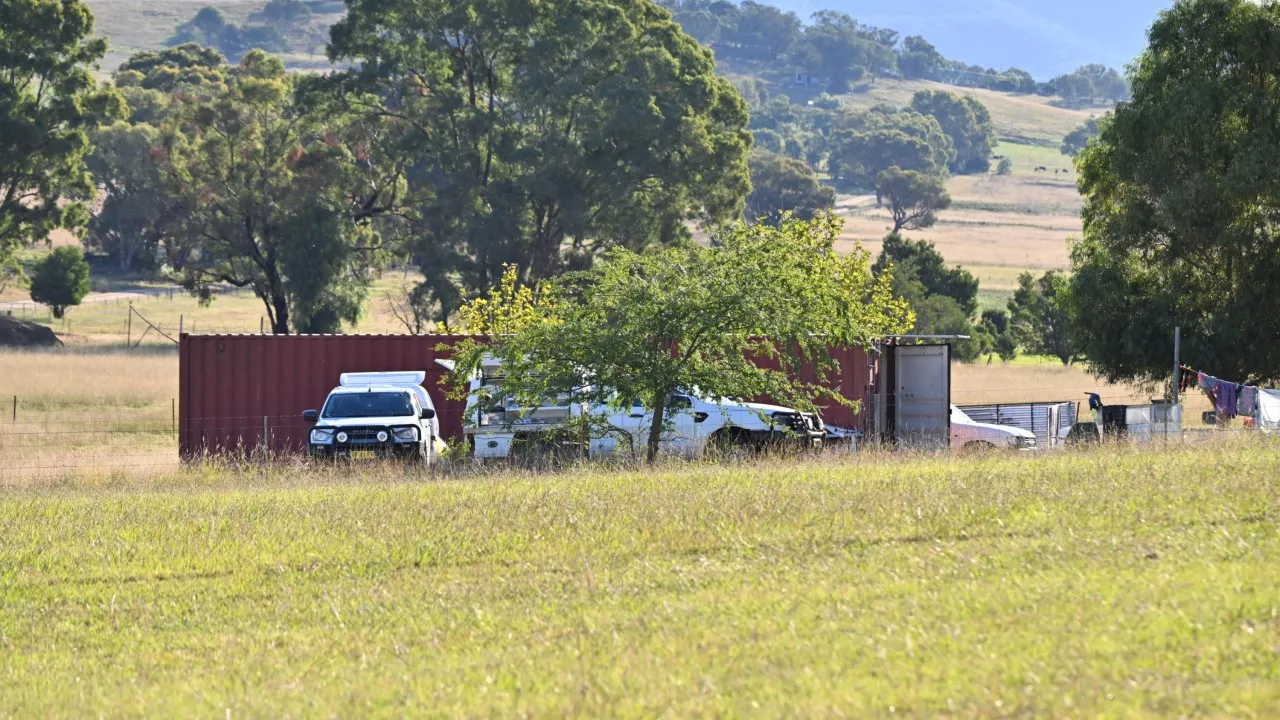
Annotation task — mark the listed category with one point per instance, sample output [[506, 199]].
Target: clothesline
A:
[[1260, 406]]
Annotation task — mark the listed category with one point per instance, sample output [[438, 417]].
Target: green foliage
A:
[[540, 134], [279, 197], [49, 103], [210, 28], [914, 198], [61, 280], [136, 213], [1004, 167], [781, 185], [840, 50], [1078, 139], [997, 336], [1181, 203], [920, 60], [1091, 85], [1041, 315], [639, 326], [920, 261], [187, 66], [966, 121]]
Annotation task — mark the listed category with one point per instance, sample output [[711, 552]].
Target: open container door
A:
[[922, 396]]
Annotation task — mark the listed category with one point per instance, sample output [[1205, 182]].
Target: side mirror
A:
[[310, 415], [428, 413]]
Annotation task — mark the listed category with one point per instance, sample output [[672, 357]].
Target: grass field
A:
[[1110, 584]]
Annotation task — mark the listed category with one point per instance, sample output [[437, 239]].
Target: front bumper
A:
[[367, 451]]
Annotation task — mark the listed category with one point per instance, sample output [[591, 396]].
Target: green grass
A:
[[1119, 584]]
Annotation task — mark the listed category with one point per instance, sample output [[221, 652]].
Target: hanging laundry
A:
[[1187, 380], [1206, 382], [1248, 404], [1269, 411], [1225, 399]]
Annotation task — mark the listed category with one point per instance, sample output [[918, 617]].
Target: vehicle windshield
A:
[[368, 404]]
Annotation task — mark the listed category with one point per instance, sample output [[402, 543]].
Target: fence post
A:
[[180, 319], [15, 409], [265, 448], [128, 328]]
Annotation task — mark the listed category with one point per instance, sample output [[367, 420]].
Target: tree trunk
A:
[[280, 324], [655, 431]]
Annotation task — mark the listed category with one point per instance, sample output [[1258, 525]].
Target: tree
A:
[[1041, 315], [61, 280], [541, 134], [914, 199], [210, 28], [833, 49], [1089, 84], [136, 212], [1078, 139], [1004, 167], [966, 121], [920, 60], [781, 185], [999, 338], [1182, 196], [761, 31], [920, 260], [640, 326], [49, 103], [861, 157], [279, 196]]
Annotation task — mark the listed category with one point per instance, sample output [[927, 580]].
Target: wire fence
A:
[[38, 444]]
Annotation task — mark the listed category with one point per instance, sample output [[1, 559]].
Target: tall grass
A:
[[1115, 583]]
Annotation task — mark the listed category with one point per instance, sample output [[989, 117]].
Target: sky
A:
[[1044, 37]]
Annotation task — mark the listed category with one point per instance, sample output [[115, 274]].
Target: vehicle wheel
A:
[[978, 447], [728, 441]]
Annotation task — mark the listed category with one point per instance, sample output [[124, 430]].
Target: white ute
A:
[[376, 415], [969, 435], [695, 423]]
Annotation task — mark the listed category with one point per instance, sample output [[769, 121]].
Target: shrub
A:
[[61, 280]]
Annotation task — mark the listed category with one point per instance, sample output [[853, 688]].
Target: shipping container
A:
[[236, 390]]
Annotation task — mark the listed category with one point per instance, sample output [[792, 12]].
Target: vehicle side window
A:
[[679, 402]]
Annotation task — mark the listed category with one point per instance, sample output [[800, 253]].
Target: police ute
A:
[[376, 415]]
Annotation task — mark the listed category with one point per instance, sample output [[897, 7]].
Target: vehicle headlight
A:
[[382, 436], [342, 437], [407, 434], [320, 436]]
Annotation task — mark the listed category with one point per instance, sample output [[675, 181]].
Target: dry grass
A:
[[102, 320], [86, 411], [1024, 117]]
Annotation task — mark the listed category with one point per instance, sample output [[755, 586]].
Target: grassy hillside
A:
[[1113, 584]]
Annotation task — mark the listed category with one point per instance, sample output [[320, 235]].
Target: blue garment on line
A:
[[1227, 399], [1248, 405]]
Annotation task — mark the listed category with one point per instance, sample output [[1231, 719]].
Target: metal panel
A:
[[1038, 418], [922, 396], [230, 383]]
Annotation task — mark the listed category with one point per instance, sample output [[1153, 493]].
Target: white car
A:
[[970, 436], [502, 427], [376, 415]]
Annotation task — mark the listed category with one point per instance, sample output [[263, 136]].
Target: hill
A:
[[1046, 39]]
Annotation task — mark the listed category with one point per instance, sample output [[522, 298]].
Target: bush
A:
[[1005, 167], [61, 280]]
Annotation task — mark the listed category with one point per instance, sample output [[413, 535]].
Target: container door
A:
[[923, 402]]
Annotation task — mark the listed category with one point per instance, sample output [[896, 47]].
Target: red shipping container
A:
[[233, 387]]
